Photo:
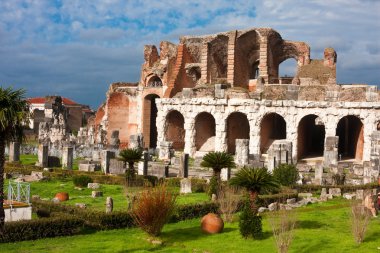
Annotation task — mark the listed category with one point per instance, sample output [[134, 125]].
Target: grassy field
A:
[[320, 228], [48, 189]]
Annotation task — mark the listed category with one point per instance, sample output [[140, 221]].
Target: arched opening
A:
[[351, 138], [154, 81], [237, 128], [254, 71], [149, 121], [175, 131], [217, 59], [287, 71], [311, 137], [273, 127], [205, 132]]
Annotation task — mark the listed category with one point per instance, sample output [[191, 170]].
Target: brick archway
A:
[[237, 128], [311, 137], [204, 132], [350, 131], [273, 127], [149, 121], [174, 129]]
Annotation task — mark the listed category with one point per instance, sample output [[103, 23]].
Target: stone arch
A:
[[311, 137], [217, 59], [247, 56], [205, 132], [174, 129], [350, 131], [149, 121], [237, 128], [272, 127], [287, 70], [154, 81]]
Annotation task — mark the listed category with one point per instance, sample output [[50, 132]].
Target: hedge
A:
[[63, 225], [344, 188]]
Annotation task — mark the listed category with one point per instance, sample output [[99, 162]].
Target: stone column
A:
[[280, 152], [43, 155], [204, 62], [231, 57], [242, 152], [189, 136], [106, 156], [184, 166], [165, 150], [318, 174], [220, 134], [330, 153], [109, 205], [14, 151], [67, 157]]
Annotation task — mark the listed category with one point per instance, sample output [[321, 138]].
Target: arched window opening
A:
[[155, 81], [175, 131], [205, 132], [311, 137], [351, 138], [149, 124], [287, 71], [237, 128], [273, 127]]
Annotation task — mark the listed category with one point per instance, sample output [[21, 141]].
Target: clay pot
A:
[[62, 196], [212, 223]]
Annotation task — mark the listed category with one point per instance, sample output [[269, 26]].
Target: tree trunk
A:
[[2, 161], [218, 182], [252, 200]]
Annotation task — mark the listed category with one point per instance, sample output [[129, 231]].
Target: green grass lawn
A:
[[48, 189], [321, 228]]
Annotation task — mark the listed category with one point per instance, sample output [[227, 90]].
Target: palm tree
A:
[[255, 180], [130, 156], [217, 161], [14, 115]]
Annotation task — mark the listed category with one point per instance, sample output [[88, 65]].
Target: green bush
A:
[[191, 211], [250, 224], [172, 181], [41, 228], [82, 180], [286, 174], [198, 185], [212, 186]]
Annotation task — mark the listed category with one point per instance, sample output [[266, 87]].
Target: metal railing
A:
[[18, 191]]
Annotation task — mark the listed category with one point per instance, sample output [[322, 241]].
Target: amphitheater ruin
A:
[[223, 92]]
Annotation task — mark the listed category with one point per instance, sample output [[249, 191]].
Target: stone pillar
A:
[[330, 153], [225, 174], [165, 148], [280, 152], [242, 152], [220, 133], [145, 163], [231, 57], [106, 156], [67, 157], [204, 62], [136, 141], [318, 174], [185, 186], [189, 135], [43, 152], [14, 151], [263, 60], [109, 205], [220, 90], [184, 166]]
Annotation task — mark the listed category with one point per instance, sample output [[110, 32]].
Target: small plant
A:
[[229, 199], [153, 208], [339, 179], [250, 224], [130, 156], [81, 180], [217, 161], [286, 174], [360, 216], [212, 186], [283, 223]]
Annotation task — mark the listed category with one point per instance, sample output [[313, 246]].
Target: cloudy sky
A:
[[76, 48]]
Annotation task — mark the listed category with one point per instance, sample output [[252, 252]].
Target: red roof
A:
[[42, 100]]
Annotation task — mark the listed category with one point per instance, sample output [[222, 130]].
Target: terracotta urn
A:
[[62, 196], [211, 223]]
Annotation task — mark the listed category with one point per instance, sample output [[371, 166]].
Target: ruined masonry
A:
[[223, 92]]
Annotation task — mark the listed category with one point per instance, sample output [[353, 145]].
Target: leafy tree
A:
[[255, 180], [286, 174], [130, 156], [14, 115]]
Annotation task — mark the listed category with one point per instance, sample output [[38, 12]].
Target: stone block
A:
[[185, 186], [14, 151], [93, 186], [116, 167], [291, 201], [279, 152], [242, 152], [106, 156], [305, 195], [67, 158], [335, 192], [96, 194], [43, 155], [273, 206]]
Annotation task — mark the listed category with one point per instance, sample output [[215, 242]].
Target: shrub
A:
[[360, 216], [41, 228], [229, 198], [191, 211], [153, 208], [286, 174], [198, 185], [250, 224], [82, 180], [212, 186], [282, 223]]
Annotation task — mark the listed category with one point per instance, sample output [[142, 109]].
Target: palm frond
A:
[[130, 155], [218, 161]]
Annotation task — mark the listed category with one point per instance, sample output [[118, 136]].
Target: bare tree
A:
[[229, 199], [282, 223], [360, 216]]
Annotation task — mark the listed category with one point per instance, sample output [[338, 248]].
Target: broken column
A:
[[318, 174], [184, 166], [136, 141], [14, 151], [43, 152], [280, 152], [67, 157], [165, 148], [106, 156], [242, 152], [330, 153], [109, 205]]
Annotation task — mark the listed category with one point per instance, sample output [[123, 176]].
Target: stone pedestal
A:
[[67, 158], [165, 148], [43, 159], [280, 152], [116, 167], [318, 174], [331, 151], [184, 166], [185, 186], [106, 156], [225, 174], [14, 151], [109, 205], [242, 152]]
